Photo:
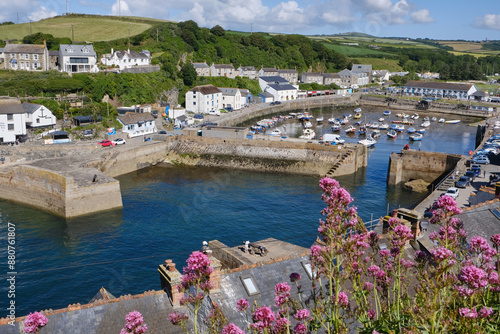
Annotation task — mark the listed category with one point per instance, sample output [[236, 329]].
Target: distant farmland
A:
[[85, 28]]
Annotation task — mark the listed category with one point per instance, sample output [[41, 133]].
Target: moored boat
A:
[[350, 129], [383, 126], [426, 119], [381, 119], [425, 124], [308, 134], [358, 123], [416, 136], [319, 119], [331, 120], [275, 132], [441, 120], [362, 131], [455, 121], [387, 113], [411, 130], [421, 130], [308, 125], [375, 134], [357, 110], [336, 127], [392, 134], [357, 115], [400, 128], [368, 142], [433, 119]]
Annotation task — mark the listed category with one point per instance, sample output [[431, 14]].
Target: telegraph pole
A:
[[67, 7]]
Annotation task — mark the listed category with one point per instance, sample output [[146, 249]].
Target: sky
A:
[[434, 19]]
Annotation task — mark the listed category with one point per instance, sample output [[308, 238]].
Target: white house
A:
[[75, 58], [202, 69], [268, 72], [203, 99], [126, 58], [38, 116], [310, 77], [439, 89], [291, 76], [278, 87], [135, 125], [350, 79], [231, 97], [12, 120], [380, 75], [265, 81], [223, 70], [247, 72]]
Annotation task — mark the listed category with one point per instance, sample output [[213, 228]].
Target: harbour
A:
[[169, 211]]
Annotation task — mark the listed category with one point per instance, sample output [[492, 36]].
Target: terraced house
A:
[[26, 57]]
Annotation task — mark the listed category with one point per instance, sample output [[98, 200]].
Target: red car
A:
[[105, 143]]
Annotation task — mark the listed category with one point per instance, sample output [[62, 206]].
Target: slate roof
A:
[[282, 87], [244, 92], [357, 68], [206, 89], [134, 118], [287, 71], [438, 85], [181, 118], [78, 50], [480, 220], [200, 65], [131, 54], [331, 75], [311, 74], [266, 94], [25, 48], [345, 72], [11, 108], [30, 107], [228, 66], [269, 69], [229, 91], [274, 79], [247, 68], [54, 53]]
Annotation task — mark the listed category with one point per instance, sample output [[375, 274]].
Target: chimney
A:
[[6, 41], [171, 279], [112, 51], [44, 43]]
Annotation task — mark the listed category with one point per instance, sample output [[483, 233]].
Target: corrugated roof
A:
[[206, 89], [30, 107], [438, 85], [25, 48], [134, 118]]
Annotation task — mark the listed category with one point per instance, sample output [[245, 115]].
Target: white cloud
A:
[[371, 5], [120, 7], [489, 21], [421, 16], [42, 13]]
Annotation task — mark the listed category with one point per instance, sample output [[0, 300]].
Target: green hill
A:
[[85, 27]]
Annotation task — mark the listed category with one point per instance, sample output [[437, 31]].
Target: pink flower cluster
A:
[[242, 304], [474, 277], [232, 329], [177, 318], [34, 322], [134, 323], [467, 313], [343, 299], [496, 240], [197, 262], [441, 253], [263, 317], [301, 315], [282, 292]]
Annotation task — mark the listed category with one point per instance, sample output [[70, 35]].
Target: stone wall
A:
[[412, 164]]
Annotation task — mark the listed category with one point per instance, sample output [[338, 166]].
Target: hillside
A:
[[85, 27]]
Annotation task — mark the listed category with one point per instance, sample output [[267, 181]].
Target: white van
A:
[[333, 138], [214, 112]]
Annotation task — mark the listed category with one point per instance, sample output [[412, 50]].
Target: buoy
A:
[[470, 152]]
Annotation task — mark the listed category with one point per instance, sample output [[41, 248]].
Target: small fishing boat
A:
[[455, 121], [387, 113], [400, 128], [336, 127], [331, 120], [308, 134], [433, 119], [392, 134], [396, 121], [415, 116], [426, 119], [381, 119], [308, 125], [362, 131], [358, 123], [441, 120], [411, 130], [368, 142], [374, 125], [357, 115], [305, 116], [375, 134], [319, 119], [350, 129], [425, 124], [347, 115], [416, 136], [357, 110], [421, 130], [275, 133], [383, 126]]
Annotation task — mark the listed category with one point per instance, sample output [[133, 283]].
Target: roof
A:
[[229, 91], [181, 118], [266, 94], [274, 79], [312, 74], [102, 294], [206, 89], [346, 72], [287, 71], [200, 65], [282, 87], [247, 68], [134, 118], [131, 54], [11, 108], [30, 107], [331, 75], [244, 92], [356, 68], [438, 85], [480, 220], [479, 93], [76, 50], [53, 53], [229, 66], [268, 69], [25, 48]]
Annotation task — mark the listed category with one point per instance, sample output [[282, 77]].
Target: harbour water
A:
[[169, 211]]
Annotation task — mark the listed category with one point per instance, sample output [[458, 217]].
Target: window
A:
[[194, 103], [249, 285], [22, 66], [12, 55], [77, 60], [308, 269], [130, 127], [10, 127], [26, 56], [38, 120], [10, 117], [35, 66], [35, 57]]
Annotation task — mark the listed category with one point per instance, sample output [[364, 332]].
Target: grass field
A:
[[85, 28], [354, 51], [380, 63]]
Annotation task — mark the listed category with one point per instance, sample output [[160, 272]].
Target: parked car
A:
[[88, 133], [476, 169], [214, 112], [462, 182], [481, 159], [119, 141], [105, 143], [230, 109], [154, 113], [470, 174], [198, 116], [162, 132], [277, 102], [272, 103], [452, 192]]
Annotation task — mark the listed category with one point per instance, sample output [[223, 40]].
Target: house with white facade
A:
[[126, 58], [439, 89], [380, 75], [247, 72], [202, 69], [267, 72], [38, 116], [26, 57], [223, 70], [289, 75], [204, 99], [350, 79], [135, 125], [74, 58], [310, 77], [12, 120], [231, 97], [331, 78], [246, 97], [279, 88]]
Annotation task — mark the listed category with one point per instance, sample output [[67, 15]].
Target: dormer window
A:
[[69, 50], [85, 49]]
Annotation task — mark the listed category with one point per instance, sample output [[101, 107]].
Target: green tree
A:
[[188, 74], [218, 31]]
